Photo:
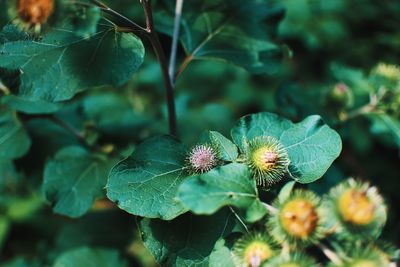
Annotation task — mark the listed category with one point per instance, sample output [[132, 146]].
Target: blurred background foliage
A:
[[331, 68]]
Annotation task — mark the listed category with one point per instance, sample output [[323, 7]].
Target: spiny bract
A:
[[202, 158], [268, 160]]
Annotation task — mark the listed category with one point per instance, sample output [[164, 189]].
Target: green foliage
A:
[[188, 240], [312, 145], [62, 63], [73, 179], [227, 185], [14, 140], [85, 257], [146, 183], [243, 37], [228, 151], [88, 176]]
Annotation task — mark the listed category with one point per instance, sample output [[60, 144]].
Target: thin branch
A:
[[63, 124], [183, 66], [106, 9], [374, 101], [155, 42], [175, 39], [239, 219]]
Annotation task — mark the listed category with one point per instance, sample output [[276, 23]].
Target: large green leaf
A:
[[260, 124], [73, 179], [221, 256], [231, 184], [186, 241], [236, 31], [25, 105], [312, 147], [14, 140], [146, 183], [62, 63], [89, 257]]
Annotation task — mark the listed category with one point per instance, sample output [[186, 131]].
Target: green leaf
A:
[[73, 179], [12, 33], [260, 124], [239, 32], [231, 184], [14, 140], [186, 241], [25, 105], [221, 255], [255, 212], [146, 183], [312, 147], [89, 257], [228, 150], [286, 191], [386, 127], [62, 63]]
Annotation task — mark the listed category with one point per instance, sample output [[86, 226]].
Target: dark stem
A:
[[152, 35], [155, 42]]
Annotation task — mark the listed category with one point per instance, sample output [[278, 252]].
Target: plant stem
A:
[[375, 99], [152, 35], [4, 88], [155, 42], [331, 255], [63, 124], [175, 38], [270, 208], [183, 66]]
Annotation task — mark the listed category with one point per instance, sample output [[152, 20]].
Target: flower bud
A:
[[299, 219], [357, 210], [202, 158], [252, 250], [267, 159], [35, 12]]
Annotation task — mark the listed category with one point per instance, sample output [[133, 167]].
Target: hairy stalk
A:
[[331, 255], [175, 38], [270, 208], [4, 89], [152, 35]]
